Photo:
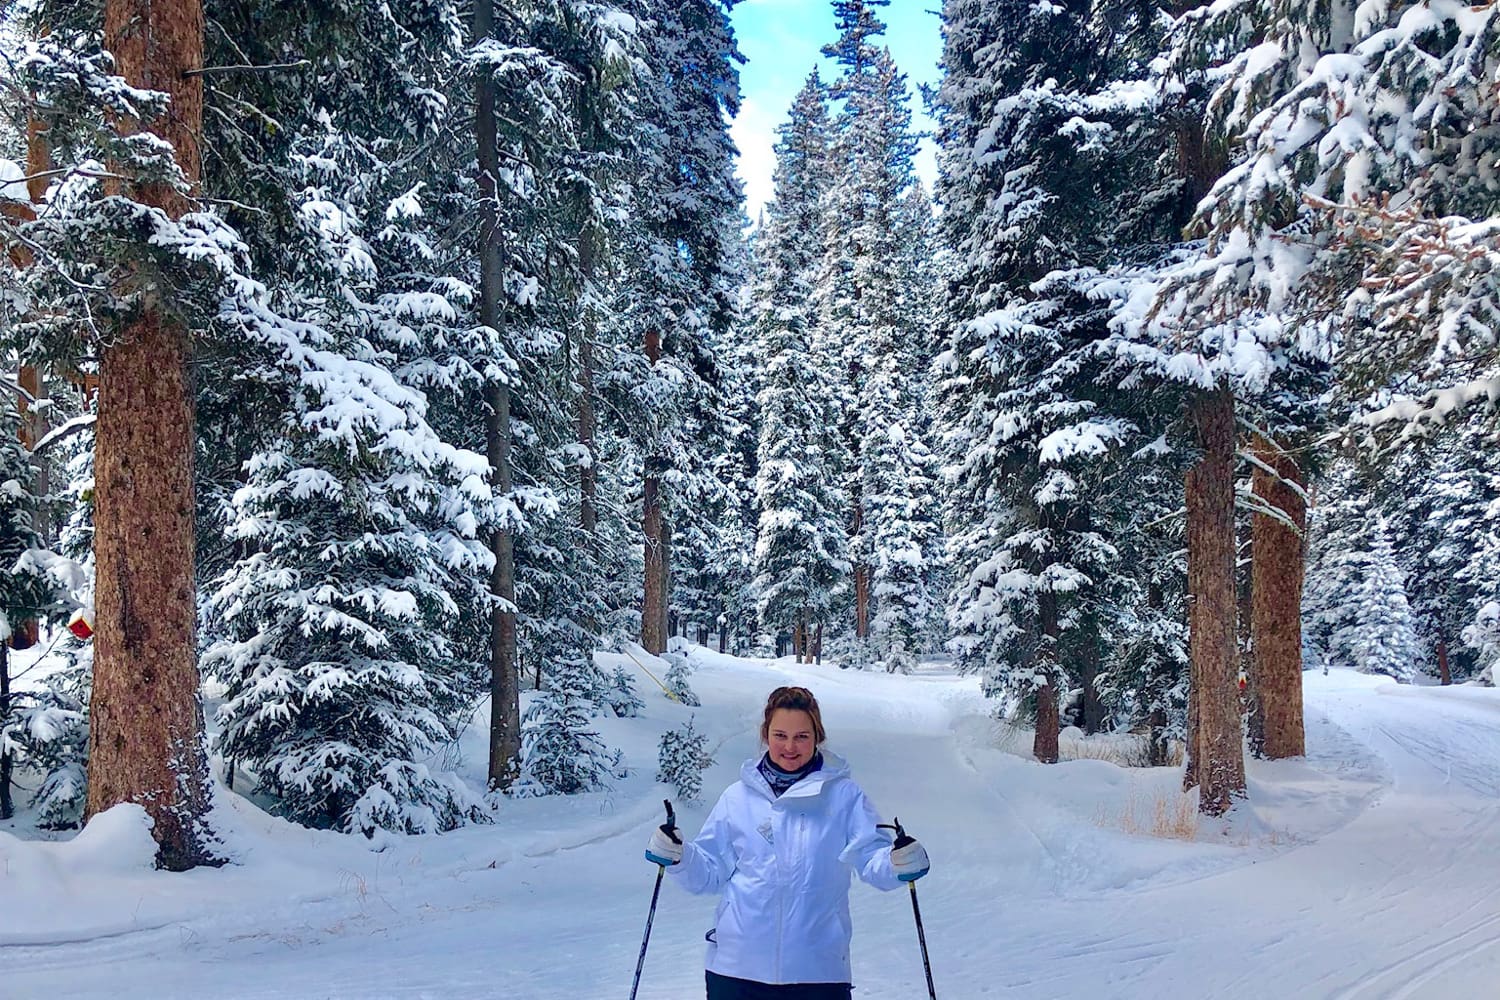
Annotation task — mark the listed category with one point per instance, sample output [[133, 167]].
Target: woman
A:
[[779, 845]]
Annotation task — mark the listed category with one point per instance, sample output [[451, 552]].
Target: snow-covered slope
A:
[[1366, 869]]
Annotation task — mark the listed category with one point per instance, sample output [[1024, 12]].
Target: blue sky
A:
[[780, 40]]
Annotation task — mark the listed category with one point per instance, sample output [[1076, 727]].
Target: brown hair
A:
[[796, 699]]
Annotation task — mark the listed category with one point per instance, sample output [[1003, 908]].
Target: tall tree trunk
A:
[[588, 474], [505, 681], [1158, 748], [1252, 707], [145, 719], [1276, 601], [1048, 712], [1445, 673], [1093, 705], [1044, 746], [861, 581], [862, 601], [7, 807], [1217, 749], [653, 599], [654, 586]]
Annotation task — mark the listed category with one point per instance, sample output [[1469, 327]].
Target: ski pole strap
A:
[[901, 838]]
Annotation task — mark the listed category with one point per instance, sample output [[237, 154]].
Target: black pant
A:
[[727, 988]]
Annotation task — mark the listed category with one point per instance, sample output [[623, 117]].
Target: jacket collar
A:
[[834, 767]]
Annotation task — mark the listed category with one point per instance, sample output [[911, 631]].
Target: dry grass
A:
[[1122, 753], [1165, 814]]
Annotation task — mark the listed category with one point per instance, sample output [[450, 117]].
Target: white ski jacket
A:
[[783, 867]]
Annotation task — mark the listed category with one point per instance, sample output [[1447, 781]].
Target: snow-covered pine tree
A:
[[561, 752], [1335, 570], [679, 668], [26, 592], [1439, 495], [1385, 639], [1345, 223], [869, 311], [801, 547], [681, 758], [676, 297], [124, 246], [1028, 437], [1484, 635], [48, 724], [337, 628]]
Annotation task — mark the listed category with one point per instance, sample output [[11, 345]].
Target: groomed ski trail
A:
[[1398, 900]]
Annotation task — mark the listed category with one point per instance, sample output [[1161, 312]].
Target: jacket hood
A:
[[834, 767]]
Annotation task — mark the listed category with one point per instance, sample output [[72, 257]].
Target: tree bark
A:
[[1048, 713], [862, 601], [505, 681], [1276, 601], [654, 586], [1044, 746], [1093, 705], [1445, 673], [1252, 707], [1217, 751], [861, 582], [1157, 751], [588, 474], [7, 807], [145, 719]]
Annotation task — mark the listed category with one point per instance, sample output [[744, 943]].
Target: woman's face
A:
[[790, 738]]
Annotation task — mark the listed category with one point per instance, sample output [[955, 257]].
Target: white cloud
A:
[[754, 133]]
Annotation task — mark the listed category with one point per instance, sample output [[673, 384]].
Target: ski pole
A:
[[661, 870], [916, 911]]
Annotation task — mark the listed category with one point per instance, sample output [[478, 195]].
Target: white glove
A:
[[665, 846], [909, 861]]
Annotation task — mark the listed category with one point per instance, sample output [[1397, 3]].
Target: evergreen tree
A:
[[26, 592], [560, 751], [868, 311], [677, 299], [1386, 642], [336, 629], [682, 756], [1030, 441], [800, 546]]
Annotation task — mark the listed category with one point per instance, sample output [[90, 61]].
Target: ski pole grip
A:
[[901, 838], [670, 826]]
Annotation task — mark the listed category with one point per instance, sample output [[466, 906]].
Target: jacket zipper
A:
[[780, 894]]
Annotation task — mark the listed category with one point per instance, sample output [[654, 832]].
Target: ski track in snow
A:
[[1368, 870]]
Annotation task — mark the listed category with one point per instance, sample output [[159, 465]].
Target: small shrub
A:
[[677, 679], [560, 754], [620, 695], [681, 760]]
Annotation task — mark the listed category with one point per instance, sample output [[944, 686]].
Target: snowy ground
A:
[[1369, 869]]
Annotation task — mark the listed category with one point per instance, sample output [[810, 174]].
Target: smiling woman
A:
[[782, 42], [780, 846]]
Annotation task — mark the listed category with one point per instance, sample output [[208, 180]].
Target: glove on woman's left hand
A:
[[909, 859]]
